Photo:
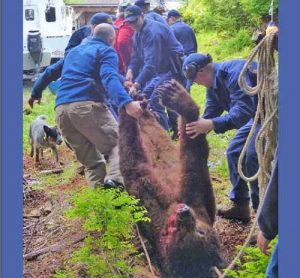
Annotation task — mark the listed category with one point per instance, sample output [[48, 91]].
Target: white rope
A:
[[271, 10]]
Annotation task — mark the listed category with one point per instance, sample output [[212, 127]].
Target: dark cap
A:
[[123, 6], [101, 18], [193, 63], [132, 13], [142, 3], [174, 13]]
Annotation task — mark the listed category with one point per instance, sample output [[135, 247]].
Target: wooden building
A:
[[84, 10]]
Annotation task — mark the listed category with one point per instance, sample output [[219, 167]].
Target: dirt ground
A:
[[49, 238]]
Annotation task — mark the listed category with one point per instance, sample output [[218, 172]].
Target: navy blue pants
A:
[[154, 100], [272, 269], [240, 192]]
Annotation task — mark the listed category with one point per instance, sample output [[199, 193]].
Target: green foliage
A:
[[224, 27], [258, 9], [226, 15], [73, 1], [229, 47], [253, 264], [110, 216]]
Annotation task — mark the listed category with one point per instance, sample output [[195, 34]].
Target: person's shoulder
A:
[[186, 26], [82, 29], [232, 65], [150, 27]]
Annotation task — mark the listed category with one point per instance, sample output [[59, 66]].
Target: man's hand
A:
[[134, 109], [33, 99], [128, 84], [134, 89], [202, 126], [129, 75], [263, 243]]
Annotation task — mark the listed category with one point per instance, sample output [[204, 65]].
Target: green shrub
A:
[[110, 217], [253, 264], [229, 47], [258, 9]]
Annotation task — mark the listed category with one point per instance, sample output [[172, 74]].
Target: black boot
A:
[[235, 211], [113, 184]]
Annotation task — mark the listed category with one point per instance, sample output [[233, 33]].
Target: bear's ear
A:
[[47, 129]]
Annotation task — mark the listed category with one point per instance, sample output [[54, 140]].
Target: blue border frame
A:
[[289, 150], [11, 139]]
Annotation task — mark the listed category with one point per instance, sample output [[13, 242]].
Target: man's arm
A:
[[111, 79], [112, 83], [241, 110], [51, 73], [205, 124], [212, 106], [152, 48], [268, 217], [135, 61]]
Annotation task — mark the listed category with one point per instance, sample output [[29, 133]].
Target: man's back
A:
[[151, 15], [80, 75], [156, 44], [78, 36], [186, 36]]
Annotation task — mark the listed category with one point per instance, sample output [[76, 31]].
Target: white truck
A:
[[47, 27]]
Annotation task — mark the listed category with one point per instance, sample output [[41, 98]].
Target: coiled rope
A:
[[267, 114], [267, 109]]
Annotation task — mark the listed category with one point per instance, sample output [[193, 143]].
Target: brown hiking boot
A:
[[235, 211]]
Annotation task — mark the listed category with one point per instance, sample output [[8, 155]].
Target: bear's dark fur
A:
[[174, 186]]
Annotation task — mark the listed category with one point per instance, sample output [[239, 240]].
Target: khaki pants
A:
[[92, 132]]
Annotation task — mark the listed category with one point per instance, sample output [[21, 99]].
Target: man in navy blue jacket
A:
[[155, 50], [183, 32], [90, 71], [224, 94], [87, 30]]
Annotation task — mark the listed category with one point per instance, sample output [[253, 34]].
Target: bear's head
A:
[[189, 246]]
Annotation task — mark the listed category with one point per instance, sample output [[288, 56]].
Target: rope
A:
[[271, 10], [267, 109], [267, 114]]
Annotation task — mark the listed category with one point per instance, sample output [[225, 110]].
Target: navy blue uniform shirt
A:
[[151, 15], [268, 217], [226, 95], [186, 36], [154, 46], [89, 70], [78, 36]]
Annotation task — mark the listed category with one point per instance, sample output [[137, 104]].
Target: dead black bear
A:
[[175, 187]]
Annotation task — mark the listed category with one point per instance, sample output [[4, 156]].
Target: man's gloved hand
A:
[[134, 109], [33, 99]]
